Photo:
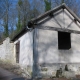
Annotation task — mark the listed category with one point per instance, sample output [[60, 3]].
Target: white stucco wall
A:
[[26, 50], [50, 57], [61, 19], [48, 48], [47, 44], [6, 50], [47, 40]]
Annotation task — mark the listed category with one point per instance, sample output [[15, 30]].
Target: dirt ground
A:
[[14, 68], [77, 78]]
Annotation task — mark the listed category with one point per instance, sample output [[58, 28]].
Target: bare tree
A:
[[72, 4], [6, 17], [37, 8], [47, 5]]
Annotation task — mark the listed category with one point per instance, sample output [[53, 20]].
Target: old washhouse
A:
[[49, 42]]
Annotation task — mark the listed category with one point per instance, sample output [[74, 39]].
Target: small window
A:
[[64, 40]]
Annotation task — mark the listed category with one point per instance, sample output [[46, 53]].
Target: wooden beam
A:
[[47, 13], [72, 13], [58, 29], [50, 12]]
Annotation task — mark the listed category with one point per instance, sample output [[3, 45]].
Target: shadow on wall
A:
[[42, 44], [45, 47], [46, 52], [26, 50], [65, 55]]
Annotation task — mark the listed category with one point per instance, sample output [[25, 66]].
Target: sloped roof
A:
[[34, 21], [63, 6], [22, 32]]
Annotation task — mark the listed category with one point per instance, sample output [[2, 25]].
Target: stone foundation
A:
[[49, 70]]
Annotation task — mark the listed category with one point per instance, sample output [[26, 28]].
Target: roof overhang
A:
[[23, 31]]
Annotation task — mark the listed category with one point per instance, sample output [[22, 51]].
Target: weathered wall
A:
[[6, 50], [47, 48], [26, 50], [49, 57], [43, 48]]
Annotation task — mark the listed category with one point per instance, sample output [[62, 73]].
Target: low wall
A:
[[7, 50]]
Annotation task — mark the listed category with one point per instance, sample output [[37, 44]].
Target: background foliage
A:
[[14, 14]]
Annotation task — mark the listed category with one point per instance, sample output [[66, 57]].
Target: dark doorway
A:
[[17, 51], [64, 40]]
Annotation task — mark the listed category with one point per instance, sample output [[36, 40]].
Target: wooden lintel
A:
[[58, 29]]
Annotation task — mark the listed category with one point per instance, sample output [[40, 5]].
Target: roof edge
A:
[[63, 6], [22, 32]]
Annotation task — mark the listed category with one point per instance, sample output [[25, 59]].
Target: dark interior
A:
[[64, 40]]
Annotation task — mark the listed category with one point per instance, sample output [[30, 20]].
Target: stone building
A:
[[49, 42]]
